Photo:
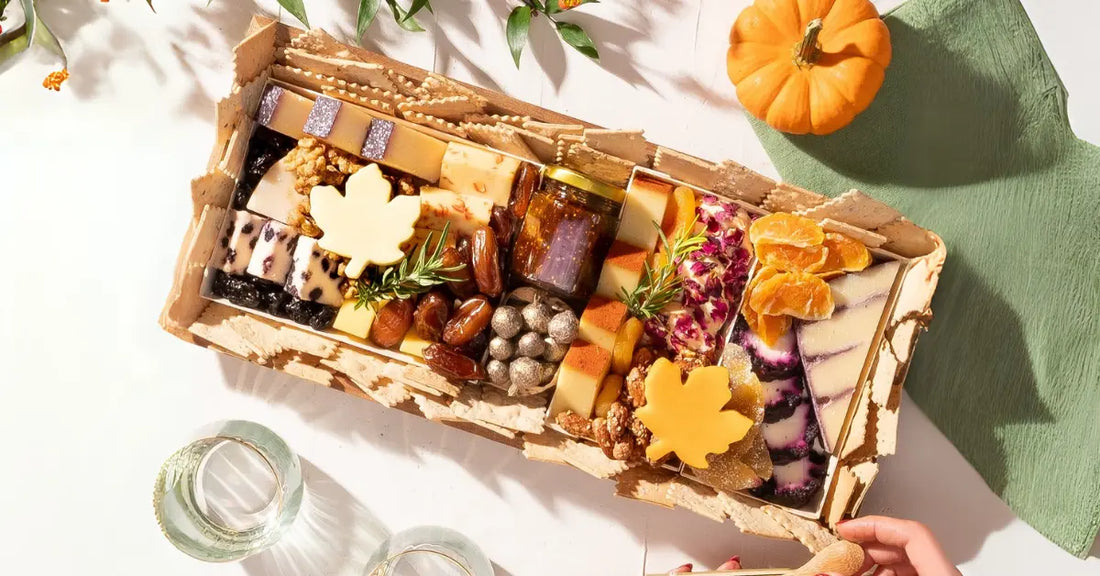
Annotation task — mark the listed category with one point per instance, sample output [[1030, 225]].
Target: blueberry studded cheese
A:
[[314, 275], [272, 255], [237, 242]]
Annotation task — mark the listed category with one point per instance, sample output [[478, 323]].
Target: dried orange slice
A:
[[792, 258], [771, 328], [784, 228], [845, 255], [796, 294], [761, 275]]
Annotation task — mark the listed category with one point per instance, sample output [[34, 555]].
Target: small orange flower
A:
[[567, 4], [54, 79]]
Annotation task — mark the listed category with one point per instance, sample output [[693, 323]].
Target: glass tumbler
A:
[[429, 550], [229, 494]]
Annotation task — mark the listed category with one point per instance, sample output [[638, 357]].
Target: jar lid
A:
[[582, 182]]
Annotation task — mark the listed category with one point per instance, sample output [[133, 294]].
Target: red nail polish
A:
[[734, 559], [843, 521], [685, 568]]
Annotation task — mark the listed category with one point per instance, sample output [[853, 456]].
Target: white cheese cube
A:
[[275, 196], [314, 274], [478, 172], [644, 204], [466, 213], [271, 257], [237, 242]]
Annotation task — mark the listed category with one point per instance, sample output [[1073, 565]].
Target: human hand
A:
[[734, 563], [897, 547]]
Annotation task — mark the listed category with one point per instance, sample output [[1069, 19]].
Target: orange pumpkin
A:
[[808, 66]]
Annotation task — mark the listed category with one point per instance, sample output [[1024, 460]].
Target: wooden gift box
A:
[[871, 424]]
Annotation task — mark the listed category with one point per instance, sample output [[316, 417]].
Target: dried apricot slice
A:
[[793, 258], [679, 212], [625, 342], [844, 255], [770, 328], [796, 294], [784, 228]]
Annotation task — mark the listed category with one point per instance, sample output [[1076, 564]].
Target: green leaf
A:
[[296, 8], [403, 19], [519, 23], [576, 37], [367, 11], [417, 5]]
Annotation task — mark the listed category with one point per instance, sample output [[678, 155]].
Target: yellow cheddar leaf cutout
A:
[[688, 418], [364, 224]]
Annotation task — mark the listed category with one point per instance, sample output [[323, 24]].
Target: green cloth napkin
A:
[[969, 138]]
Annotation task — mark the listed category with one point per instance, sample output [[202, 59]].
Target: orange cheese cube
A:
[[579, 377], [601, 320], [643, 210], [621, 270]]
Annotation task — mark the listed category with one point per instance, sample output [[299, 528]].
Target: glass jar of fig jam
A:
[[565, 235]]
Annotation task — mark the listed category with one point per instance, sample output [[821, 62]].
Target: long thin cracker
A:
[[319, 42], [700, 499], [453, 108], [214, 326], [439, 86], [868, 238], [213, 188], [626, 144], [434, 382], [855, 208], [302, 368], [254, 54], [647, 484], [544, 147], [362, 73], [812, 535], [184, 304], [484, 404], [906, 238], [553, 131], [436, 123], [380, 105], [749, 516], [739, 182], [499, 137], [690, 169], [388, 393], [403, 85], [790, 198], [304, 78], [433, 409], [610, 169], [491, 119]]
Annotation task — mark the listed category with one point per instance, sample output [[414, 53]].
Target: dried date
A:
[[462, 285], [486, 262], [527, 180], [451, 363], [431, 315], [471, 318], [503, 224], [391, 323]]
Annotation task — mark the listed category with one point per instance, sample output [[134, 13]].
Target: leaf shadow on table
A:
[[496, 465], [334, 533]]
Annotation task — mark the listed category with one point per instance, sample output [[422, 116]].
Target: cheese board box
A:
[[701, 336]]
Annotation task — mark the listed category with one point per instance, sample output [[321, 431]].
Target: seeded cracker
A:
[[869, 239], [452, 108], [906, 238], [610, 169], [319, 42], [491, 119], [687, 168], [381, 105], [789, 198], [749, 516], [184, 306], [402, 85], [300, 367], [812, 535], [436, 123], [554, 131], [363, 73], [626, 144], [737, 181], [305, 78], [482, 404], [499, 137], [855, 208], [437, 86], [254, 54]]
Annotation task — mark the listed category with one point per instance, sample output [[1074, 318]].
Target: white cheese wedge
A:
[[466, 213], [272, 254], [314, 275], [644, 204], [834, 351], [478, 172], [275, 196], [235, 245]]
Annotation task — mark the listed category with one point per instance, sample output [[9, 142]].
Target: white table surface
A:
[[93, 396]]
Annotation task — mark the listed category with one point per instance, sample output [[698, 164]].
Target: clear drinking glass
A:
[[429, 550], [229, 494]]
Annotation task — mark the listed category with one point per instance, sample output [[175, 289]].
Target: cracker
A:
[[553, 131], [374, 102], [388, 393], [433, 409], [885, 423], [865, 473], [906, 238], [301, 368], [213, 326], [749, 517], [260, 335], [790, 198], [544, 147], [690, 169], [647, 484], [439, 86], [626, 144], [421, 377], [254, 54], [855, 208], [546, 447], [304, 78], [213, 188], [494, 428], [242, 101], [362, 73], [232, 163], [184, 304], [601, 166], [403, 85], [319, 42], [839, 557], [739, 182], [306, 342], [868, 238], [483, 404], [436, 123], [882, 374], [812, 535], [591, 459], [859, 431], [453, 108], [562, 143], [511, 120], [700, 499], [499, 137]]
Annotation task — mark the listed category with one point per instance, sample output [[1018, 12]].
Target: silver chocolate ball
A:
[[563, 327], [501, 348], [498, 372], [548, 371], [536, 316], [507, 321], [525, 373], [531, 345], [555, 351]]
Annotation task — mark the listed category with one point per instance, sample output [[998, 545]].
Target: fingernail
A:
[[843, 521], [685, 568], [735, 559]]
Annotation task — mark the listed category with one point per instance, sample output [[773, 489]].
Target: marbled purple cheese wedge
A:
[[835, 350], [769, 362], [793, 484], [781, 397], [314, 276], [792, 437], [237, 241], [272, 255]]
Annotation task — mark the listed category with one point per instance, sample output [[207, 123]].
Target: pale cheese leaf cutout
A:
[[364, 224], [688, 418]]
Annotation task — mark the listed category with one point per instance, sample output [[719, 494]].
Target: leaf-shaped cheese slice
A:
[[364, 224]]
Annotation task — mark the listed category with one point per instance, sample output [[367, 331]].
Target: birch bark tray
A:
[[313, 63]]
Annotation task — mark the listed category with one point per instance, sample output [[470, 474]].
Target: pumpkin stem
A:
[[806, 52]]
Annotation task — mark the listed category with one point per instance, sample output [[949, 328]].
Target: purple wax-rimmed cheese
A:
[[271, 257], [834, 351], [237, 241], [792, 437], [781, 397], [775, 362], [314, 274]]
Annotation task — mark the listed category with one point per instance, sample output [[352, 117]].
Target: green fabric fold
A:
[[969, 137]]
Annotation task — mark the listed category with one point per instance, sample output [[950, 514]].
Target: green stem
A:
[[807, 51]]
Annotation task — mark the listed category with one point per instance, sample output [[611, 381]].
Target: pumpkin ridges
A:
[[787, 110], [847, 13], [754, 26], [783, 15], [868, 39], [842, 69], [757, 90], [810, 9], [830, 109], [743, 61]]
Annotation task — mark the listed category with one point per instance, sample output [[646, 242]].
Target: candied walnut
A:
[[688, 361], [406, 187], [314, 163], [625, 448], [575, 424], [635, 387], [643, 357], [618, 416], [642, 435], [602, 436]]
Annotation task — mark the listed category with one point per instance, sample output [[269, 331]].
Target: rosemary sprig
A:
[[405, 280], [660, 284]]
